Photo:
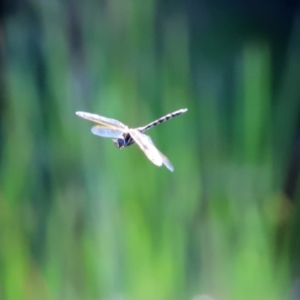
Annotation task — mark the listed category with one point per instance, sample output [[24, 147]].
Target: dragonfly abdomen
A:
[[163, 119]]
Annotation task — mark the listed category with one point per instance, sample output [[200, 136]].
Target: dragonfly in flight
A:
[[123, 136]]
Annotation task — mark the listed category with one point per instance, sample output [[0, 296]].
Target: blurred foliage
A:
[[80, 219]]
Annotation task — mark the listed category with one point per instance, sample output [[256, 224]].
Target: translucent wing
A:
[[111, 123], [166, 162], [106, 132], [146, 144]]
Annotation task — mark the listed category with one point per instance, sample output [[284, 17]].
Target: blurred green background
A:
[[80, 219]]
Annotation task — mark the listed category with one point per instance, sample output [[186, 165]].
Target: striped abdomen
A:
[[127, 139], [163, 119]]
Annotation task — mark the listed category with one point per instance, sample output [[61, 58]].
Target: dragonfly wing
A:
[[107, 132], [111, 123], [147, 146], [166, 162]]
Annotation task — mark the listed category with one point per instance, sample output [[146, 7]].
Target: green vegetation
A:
[[80, 219]]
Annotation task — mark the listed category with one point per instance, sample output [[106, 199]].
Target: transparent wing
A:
[[166, 162], [111, 123], [104, 131], [147, 146]]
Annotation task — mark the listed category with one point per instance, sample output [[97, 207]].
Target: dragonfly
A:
[[123, 136]]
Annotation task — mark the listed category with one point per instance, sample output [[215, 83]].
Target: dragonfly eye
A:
[[119, 143]]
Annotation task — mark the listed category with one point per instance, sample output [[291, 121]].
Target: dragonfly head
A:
[[119, 143]]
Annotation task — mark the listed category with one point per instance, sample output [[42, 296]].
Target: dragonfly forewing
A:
[[166, 162], [147, 146], [111, 123]]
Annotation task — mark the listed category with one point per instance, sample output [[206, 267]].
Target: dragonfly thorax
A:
[[124, 141]]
